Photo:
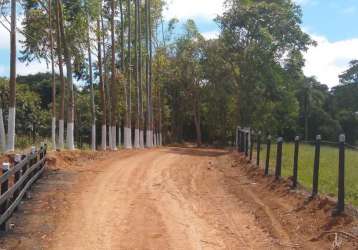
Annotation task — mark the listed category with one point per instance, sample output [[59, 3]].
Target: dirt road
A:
[[172, 198]]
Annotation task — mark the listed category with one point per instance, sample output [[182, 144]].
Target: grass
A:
[[328, 176]]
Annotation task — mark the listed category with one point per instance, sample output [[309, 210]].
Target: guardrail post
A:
[[279, 158], [295, 162], [247, 144], [258, 149], [268, 149], [341, 177], [251, 145], [316, 166], [4, 188]]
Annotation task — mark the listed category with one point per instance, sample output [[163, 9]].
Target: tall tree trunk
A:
[[71, 101], [102, 90], [2, 132], [93, 109], [141, 111], [151, 110], [107, 87], [160, 117], [114, 88], [128, 118], [61, 132], [12, 106], [148, 113], [122, 67], [137, 125], [53, 131]]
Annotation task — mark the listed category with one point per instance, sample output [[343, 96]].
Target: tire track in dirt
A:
[[158, 199], [169, 198]]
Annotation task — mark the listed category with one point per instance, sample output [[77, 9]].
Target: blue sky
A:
[[332, 23], [335, 19]]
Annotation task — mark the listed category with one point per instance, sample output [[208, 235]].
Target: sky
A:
[[332, 23]]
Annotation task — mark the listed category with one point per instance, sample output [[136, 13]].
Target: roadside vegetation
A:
[[328, 177]]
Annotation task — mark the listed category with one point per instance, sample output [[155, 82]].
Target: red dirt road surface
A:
[[169, 198]]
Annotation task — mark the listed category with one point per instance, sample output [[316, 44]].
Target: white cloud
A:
[[31, 68], [211, 34], [184, 9], [329, 59]]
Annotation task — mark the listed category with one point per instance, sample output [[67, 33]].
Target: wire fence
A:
[[319, 165]]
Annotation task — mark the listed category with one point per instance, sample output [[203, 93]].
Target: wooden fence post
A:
[[4, 188], [316, 166], [295, 162], [241, 141], [258, 149], [32, 161], [279, 158], [268, 149], [341, 177], [17, 175], [247, 144], [251, 145]]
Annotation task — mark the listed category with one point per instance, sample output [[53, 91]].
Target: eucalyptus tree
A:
[[50, 31], [101, 87], [93, 107], [39, 43], [140, 67], [114, 78], [122, 66], [106, 80], [137, 80], [2, 126], [149, 123], [128, 115], [61, 122], [12, 83]]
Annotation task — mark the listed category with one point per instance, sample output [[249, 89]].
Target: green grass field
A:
[[328, 176]]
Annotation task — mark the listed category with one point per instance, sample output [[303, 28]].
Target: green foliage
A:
[[33, 120]]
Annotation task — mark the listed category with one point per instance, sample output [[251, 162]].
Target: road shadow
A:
[[192, 151]]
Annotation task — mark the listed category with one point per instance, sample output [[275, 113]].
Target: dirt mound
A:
[[76, 158], [301, 215]]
